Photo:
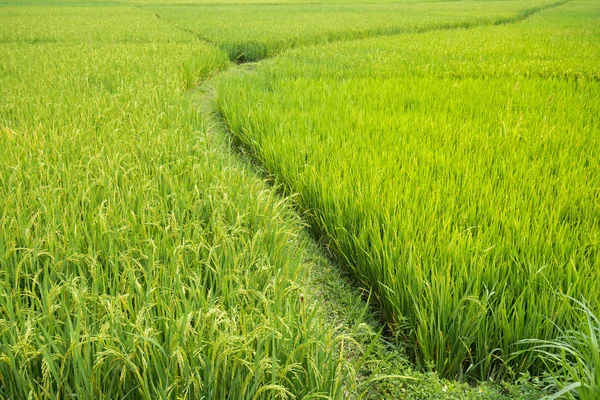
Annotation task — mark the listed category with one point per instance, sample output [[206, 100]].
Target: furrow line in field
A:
[[236, 54]]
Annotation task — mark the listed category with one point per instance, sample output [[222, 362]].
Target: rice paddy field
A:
[[456, 173], [385, 200]]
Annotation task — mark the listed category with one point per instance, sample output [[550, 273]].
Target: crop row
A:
[[138, 257], [455, 173]]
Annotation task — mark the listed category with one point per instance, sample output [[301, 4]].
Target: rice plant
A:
[[138, 257], [455, 174]]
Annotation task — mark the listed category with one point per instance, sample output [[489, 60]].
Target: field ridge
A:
[[383, 370]]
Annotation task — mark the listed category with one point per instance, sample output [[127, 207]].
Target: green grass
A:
[[573, 359], [455, 173]]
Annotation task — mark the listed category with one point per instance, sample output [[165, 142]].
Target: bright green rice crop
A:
[[456, 173]]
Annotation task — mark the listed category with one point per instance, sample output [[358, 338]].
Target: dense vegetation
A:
[[138, 257], [446, 152], [456, 173]]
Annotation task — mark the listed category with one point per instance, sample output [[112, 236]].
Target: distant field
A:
[[456, 173], [252, 32]]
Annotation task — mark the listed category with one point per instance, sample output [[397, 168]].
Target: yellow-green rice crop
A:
[[83, 24], [456, 173], [138, 257]]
